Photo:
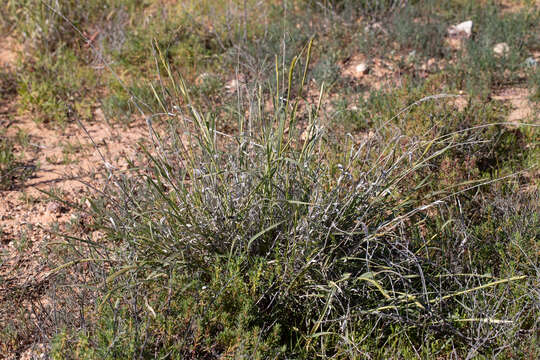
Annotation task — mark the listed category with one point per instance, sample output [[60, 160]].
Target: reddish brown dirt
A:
[[65, 162], [378, 73], [522, 109], [8, 51]]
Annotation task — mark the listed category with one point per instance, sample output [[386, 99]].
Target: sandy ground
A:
[[62, 161]]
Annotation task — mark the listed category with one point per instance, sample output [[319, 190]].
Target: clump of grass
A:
[[55, 75], [8, 84], [271, 244], [415, 30], [119, 106], [351, 9], [534, 85]]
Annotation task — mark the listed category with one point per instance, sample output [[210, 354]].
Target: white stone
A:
[[501, 49], [202, 78], [464, 28], [232, 85], [362, 68]]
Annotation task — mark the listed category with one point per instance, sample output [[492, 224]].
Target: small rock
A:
[[425, 66], [308, 133], [455, 43], [531, 62], [235, 84], [53, 207], [362, 68], [501, 49], [375, 27], [461, 29], [56, 208]]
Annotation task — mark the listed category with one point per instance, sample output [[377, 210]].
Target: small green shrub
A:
[[47, 25]]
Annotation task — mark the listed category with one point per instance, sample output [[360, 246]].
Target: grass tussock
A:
[[269, 244]]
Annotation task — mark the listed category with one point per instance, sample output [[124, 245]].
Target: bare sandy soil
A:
[[67, 162]]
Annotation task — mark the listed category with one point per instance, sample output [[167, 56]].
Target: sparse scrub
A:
[[352, 9], [480, 70], [46, 25], [7, 163]]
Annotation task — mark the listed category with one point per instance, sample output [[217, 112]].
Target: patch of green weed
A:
[[52, 91]]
